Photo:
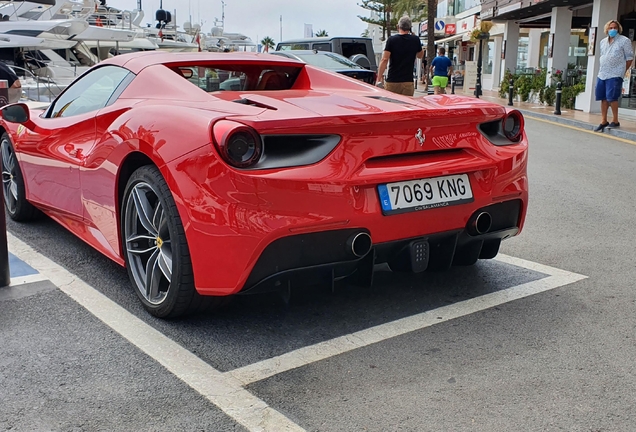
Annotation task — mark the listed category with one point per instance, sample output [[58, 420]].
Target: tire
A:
[[361, 60], [18, 208], [153, 237]]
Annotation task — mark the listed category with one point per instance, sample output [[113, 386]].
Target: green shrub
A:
[[549, 95], [505, 84], [524, 86], [527, 85], [568, 97]]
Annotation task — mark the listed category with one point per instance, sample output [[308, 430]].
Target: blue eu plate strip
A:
[[385, 200]]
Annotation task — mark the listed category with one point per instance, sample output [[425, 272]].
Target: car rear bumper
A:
[[248, 233], [327, 256]]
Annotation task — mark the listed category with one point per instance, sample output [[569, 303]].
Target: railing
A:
[[45, 82], [104, 18]]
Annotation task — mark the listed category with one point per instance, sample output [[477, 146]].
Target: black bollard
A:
[[452, 84], [511, 91], [5, 275], [557, 102]]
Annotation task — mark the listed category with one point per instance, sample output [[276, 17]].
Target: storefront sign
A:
[[423, 29], [487, 13], [465, 25], [470, 76], [626, 82], [450, 29], [509, 8]]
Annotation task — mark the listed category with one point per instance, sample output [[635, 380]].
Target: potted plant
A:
[[481, 32]]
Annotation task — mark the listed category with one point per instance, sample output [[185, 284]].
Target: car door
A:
[[51, 160]]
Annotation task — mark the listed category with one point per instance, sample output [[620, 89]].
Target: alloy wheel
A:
[[148, 243], [9, 184]]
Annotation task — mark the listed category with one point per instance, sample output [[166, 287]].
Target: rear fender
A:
[[163, 132]]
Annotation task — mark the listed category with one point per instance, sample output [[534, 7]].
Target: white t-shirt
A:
[[614, 56]]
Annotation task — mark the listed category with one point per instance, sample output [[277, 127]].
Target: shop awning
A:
[[449, 39]]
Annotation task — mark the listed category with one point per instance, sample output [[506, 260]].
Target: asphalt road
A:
[[562, 359]]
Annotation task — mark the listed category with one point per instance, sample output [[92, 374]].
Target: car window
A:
[[294, 46], [89, 93], [239, 77], [350, 49], [213, 79], [328, 61], [322, 46]]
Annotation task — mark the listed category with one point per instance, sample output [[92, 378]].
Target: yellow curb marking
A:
[[625, 140]]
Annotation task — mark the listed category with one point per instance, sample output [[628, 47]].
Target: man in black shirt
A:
[[6, 73], [401, 49]]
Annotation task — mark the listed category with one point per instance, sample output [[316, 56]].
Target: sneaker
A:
[[614, 125], [601, 127]]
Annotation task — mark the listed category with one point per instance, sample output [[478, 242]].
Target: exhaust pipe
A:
[[480, 224], [359, 244]]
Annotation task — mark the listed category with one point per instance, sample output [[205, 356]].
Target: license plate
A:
[[416, 195]]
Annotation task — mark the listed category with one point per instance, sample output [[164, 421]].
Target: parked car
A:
[[357, 49], [330, 61], [300, 174]]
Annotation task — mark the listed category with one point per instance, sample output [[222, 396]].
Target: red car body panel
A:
[[73, 166]]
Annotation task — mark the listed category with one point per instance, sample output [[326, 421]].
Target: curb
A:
[[564, 120], [578, 124]]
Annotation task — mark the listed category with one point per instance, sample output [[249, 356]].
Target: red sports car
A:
[[213, 174]]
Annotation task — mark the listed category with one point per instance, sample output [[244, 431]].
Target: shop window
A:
[[489, 57]]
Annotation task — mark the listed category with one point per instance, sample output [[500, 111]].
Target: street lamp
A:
[[481, 37]]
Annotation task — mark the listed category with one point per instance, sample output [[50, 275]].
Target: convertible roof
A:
[[135, 62]]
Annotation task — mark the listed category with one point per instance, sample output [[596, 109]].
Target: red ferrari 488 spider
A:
[[213, 174]]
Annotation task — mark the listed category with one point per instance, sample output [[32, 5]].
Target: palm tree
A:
[[267, 43], [415, 9], [383, 10], [321, 33]]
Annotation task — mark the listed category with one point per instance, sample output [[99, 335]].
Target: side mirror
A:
[[16, 113]]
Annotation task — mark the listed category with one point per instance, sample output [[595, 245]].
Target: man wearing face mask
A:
[[616, 59]]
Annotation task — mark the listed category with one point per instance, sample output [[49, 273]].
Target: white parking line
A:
[[320, 351], [223, 391], [21, 280], [226, 390]]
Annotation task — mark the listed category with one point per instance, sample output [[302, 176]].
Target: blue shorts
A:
[[609, 89]]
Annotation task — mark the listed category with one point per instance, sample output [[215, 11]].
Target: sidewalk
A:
[[574, 118]]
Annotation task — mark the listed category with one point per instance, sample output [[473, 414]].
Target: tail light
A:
[[512, 126], [239, 145], [505, 131]]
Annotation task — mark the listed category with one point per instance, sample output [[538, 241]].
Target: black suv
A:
[[357, 49]]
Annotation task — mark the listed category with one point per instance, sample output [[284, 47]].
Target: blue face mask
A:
[[612, 33]]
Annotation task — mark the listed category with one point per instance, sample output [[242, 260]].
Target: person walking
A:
[[401, 49], [15, 88], [616, 58], [441, 69]]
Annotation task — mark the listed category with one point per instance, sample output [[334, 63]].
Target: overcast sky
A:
[[260, 18]]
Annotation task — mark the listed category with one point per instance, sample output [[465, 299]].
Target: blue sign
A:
[[439, 25]]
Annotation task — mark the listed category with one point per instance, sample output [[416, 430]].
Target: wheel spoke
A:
[[144, 210], [133, 246], [6, 157], [10, 198], [158, 217], [14, 190], [153, 276], [165, 264]]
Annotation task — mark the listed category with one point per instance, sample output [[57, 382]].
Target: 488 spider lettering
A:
[[209, 175]]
